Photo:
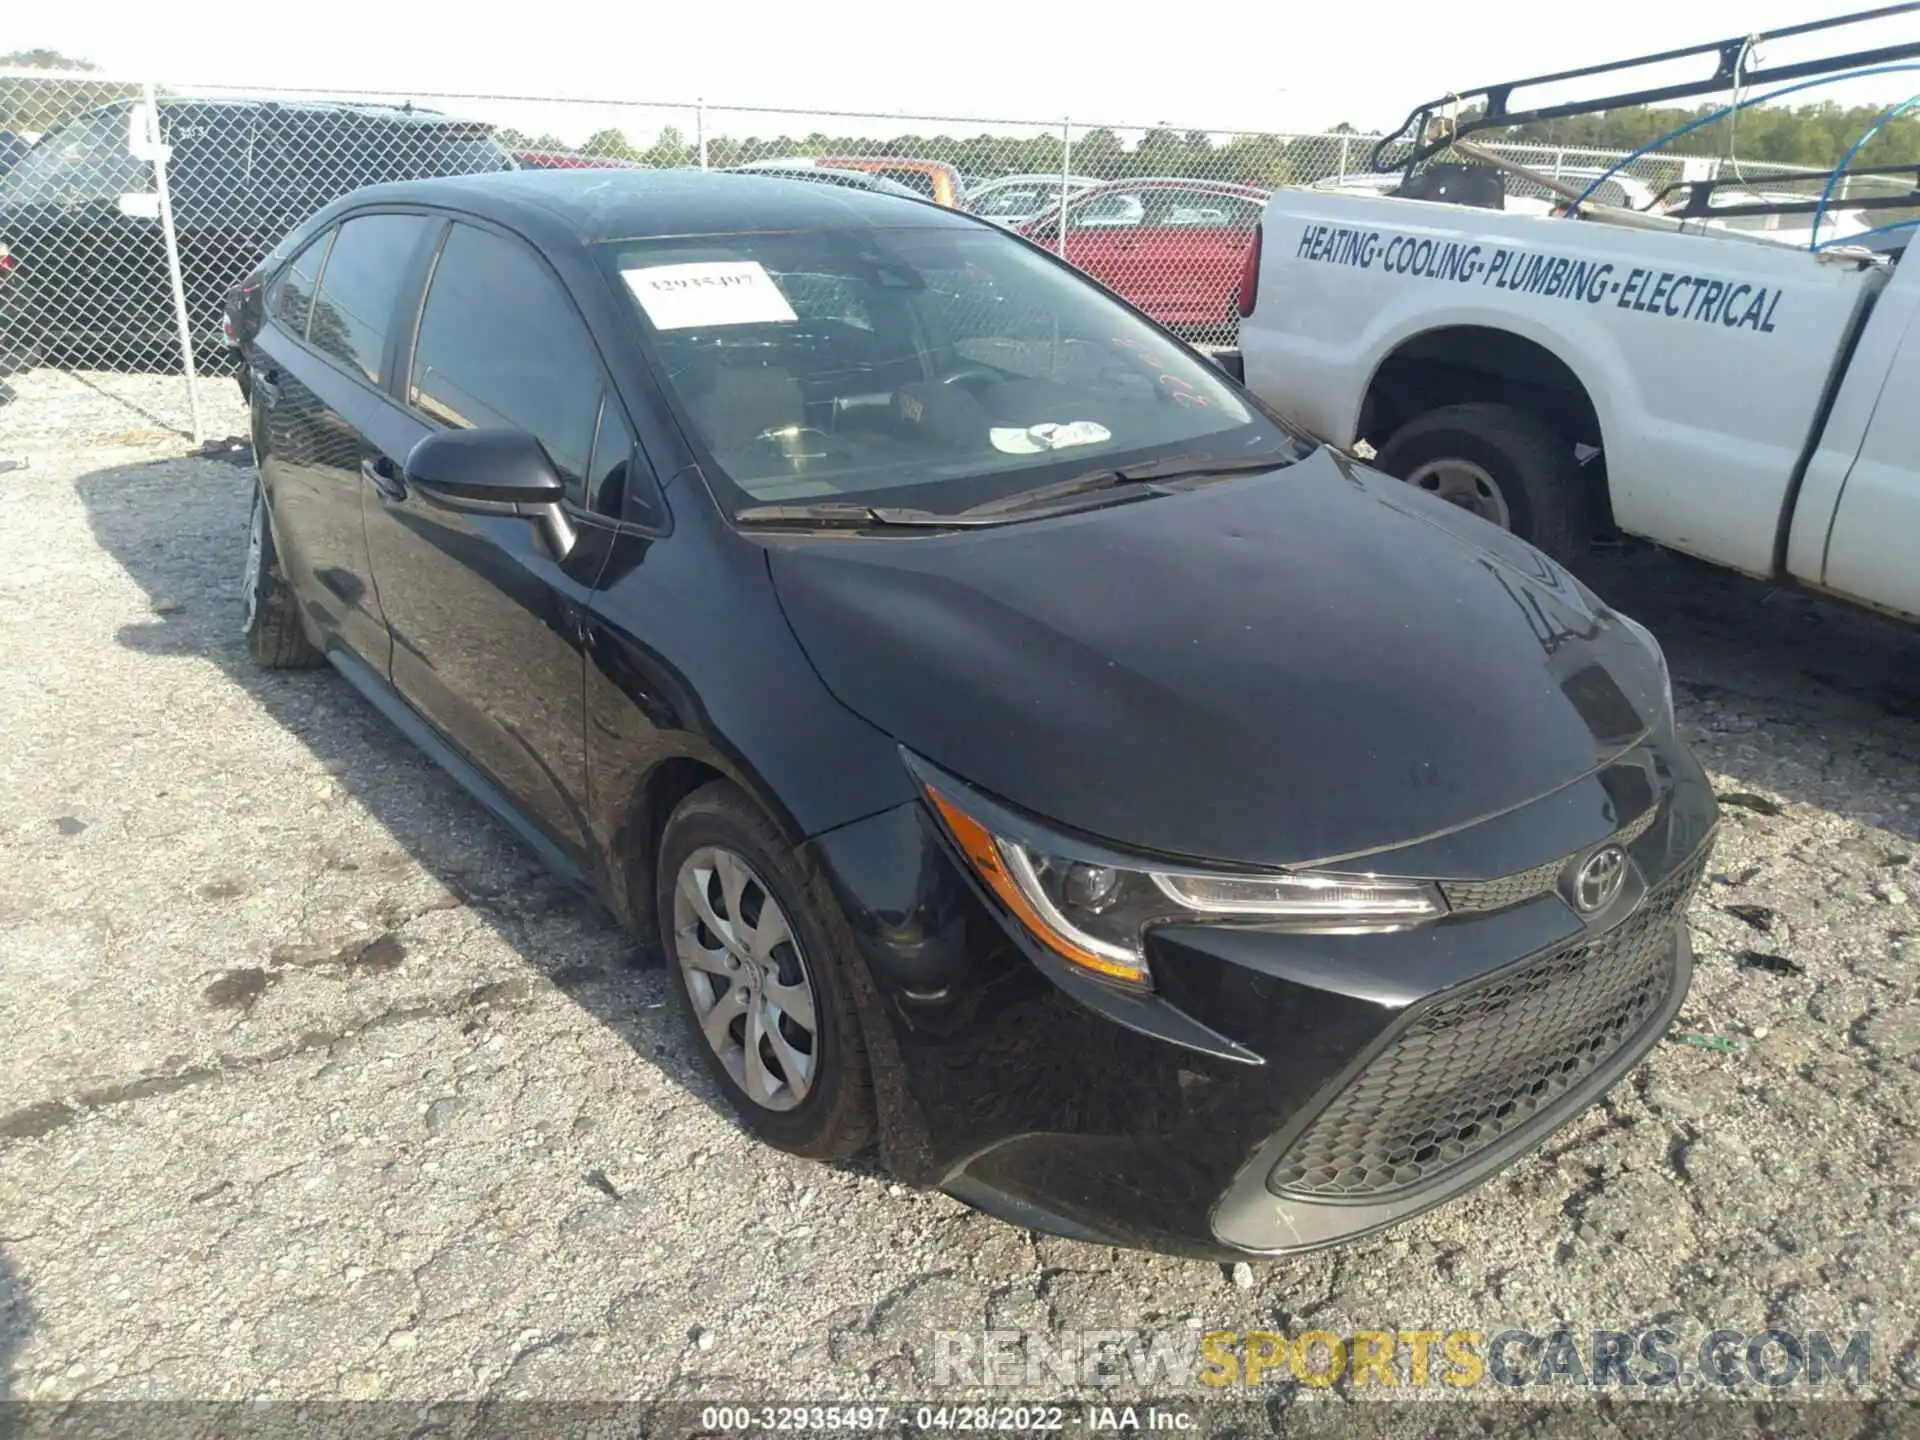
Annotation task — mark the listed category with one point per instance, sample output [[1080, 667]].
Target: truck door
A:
[[1876, 529]]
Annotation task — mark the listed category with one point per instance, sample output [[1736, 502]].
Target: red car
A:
[[1172, 247]]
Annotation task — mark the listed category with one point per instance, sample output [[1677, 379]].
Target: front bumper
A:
[[1279, 1091]]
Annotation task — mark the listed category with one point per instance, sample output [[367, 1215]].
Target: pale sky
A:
[[1219, 65]]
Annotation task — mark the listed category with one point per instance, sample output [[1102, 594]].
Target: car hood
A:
[[1291, 667]]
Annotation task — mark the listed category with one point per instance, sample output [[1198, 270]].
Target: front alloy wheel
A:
[[747, 978], [768, 968]]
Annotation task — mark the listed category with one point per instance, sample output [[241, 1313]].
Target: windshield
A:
[[85, 159], [931, 367]]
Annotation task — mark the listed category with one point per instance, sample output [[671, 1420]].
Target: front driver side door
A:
[[487, 623]]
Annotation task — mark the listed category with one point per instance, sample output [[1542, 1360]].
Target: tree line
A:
[[1101, 154], [1814, 135]]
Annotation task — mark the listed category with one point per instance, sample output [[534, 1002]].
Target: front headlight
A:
[[1094, 912], [1660, 656]]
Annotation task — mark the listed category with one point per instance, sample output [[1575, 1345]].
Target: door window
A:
[[1193, 209], [290, 299], [1117, 211], [500, 344], [613, 462], [358, 287], [210, 172]]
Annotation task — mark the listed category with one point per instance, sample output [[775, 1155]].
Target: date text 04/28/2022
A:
[[979, 1418]]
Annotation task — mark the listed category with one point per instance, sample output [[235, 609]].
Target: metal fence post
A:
[[1066, 180], [1343, 157], [700, 128], [174, 278]]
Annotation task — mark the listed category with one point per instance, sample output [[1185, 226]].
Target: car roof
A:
[[598, 205], [391, 114], [1163, 182], [895, 162], [1034, 178], [829, 175]]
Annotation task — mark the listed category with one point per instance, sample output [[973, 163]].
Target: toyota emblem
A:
[[1599, 879]]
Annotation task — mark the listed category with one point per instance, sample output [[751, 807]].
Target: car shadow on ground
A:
[[16, 1320], [178, 527], [1807, 698]]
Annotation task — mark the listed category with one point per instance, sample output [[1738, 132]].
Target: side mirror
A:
[[493, 472], [484, 467]]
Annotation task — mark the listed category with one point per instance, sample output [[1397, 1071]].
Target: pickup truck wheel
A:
[[1506, 466]]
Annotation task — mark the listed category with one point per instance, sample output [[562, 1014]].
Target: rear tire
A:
[[1540, 492], [754, 938], [270, 617]]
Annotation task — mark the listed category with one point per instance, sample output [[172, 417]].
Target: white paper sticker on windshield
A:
[[1032, 439], [709, 292]]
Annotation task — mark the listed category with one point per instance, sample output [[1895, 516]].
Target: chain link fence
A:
[[128, 210]]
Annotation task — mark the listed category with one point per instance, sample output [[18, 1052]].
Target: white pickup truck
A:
[[1752, 404]]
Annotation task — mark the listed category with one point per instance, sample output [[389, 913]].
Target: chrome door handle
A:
[[380, 472]]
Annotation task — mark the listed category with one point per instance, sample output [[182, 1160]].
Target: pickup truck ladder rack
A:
[[1697, 203], [1428, 139]]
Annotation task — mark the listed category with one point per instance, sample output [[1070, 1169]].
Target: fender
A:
[[1705, 355]]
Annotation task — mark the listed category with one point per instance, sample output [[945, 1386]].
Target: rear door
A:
[[318, 389], [1102, 233], [488, 624], [1187, 260]]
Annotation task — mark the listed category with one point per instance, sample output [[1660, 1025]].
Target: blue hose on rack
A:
[[1721, 114], [1847, 159]]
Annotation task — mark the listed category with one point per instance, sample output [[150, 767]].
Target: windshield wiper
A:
[[847, 515], [1193, 467], [851, 515], [1046, 494], [1173, 467]]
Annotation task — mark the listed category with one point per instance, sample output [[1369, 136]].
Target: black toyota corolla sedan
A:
[[1028, 752]]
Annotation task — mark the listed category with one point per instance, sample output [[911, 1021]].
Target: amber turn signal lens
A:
[[976, 842]]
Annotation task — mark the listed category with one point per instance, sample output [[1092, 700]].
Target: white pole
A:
[[172, 242], [1066, 181], [700, 129]]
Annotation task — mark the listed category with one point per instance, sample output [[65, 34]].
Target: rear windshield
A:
[[934, 367]]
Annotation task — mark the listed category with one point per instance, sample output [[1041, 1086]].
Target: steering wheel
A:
[[971, 372]]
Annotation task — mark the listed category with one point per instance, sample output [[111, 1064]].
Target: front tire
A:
[[1505, 465], [270, 617], [757, 943]]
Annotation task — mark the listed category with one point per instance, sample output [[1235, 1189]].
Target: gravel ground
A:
[[314, 1085]]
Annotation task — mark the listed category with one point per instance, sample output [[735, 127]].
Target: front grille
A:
[[1483, 1062], [1473, 897]]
